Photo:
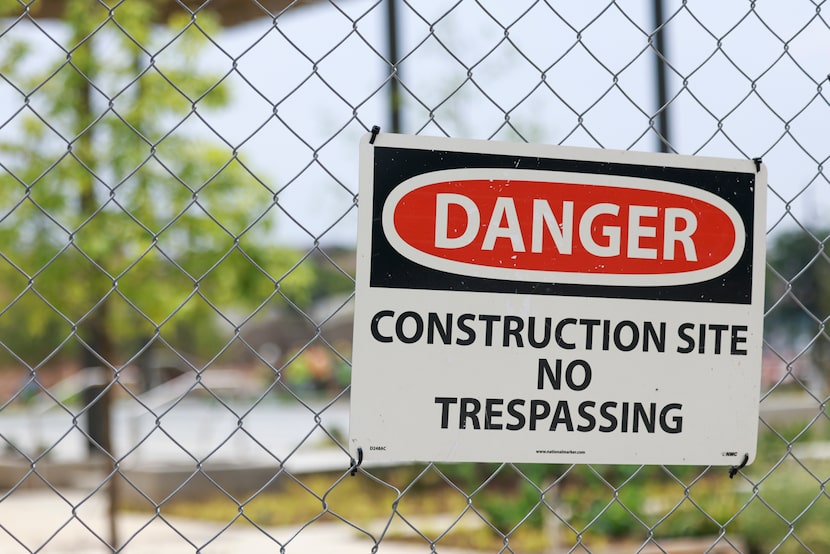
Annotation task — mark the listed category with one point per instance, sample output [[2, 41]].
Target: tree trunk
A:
[[95, 328]]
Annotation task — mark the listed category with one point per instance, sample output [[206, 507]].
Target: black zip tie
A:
[[734, 469], [375, 131], [356, 464], [758, 162]]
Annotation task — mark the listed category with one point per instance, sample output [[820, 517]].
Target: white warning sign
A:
[[530, 303]]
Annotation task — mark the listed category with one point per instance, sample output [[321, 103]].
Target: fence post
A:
[[95, 398]]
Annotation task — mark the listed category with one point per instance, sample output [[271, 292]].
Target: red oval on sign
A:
[[614, 226]]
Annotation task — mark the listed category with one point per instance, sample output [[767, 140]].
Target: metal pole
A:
[[664, 140], [394, 82]]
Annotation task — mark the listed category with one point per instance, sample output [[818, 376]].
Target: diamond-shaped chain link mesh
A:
[[178, 207]]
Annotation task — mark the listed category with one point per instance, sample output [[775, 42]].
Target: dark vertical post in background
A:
[[394, 82], [97, 399], [664, 139]]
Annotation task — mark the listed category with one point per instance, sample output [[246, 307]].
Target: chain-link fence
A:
[[178, 197]]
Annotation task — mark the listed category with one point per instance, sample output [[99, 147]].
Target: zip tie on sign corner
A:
[[734, 469], [356, 464]]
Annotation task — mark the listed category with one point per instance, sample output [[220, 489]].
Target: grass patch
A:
[[294, 501], [778, 504]]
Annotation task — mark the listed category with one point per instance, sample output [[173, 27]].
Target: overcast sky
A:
[[465, 70], [573, 73]]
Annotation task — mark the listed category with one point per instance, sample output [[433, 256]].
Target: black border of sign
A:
[[389, 269]]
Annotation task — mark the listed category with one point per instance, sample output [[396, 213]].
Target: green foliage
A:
[[659, 505], [791, 509], [798, 293], [800, 265], [117, 221], [507, 510]]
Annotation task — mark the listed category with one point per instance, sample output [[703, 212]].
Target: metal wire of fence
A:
[[177, 224]]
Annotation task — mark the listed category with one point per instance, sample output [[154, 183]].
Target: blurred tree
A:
[[798, 294], [118, 219]]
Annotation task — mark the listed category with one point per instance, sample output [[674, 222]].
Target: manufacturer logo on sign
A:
[[529, 225]]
